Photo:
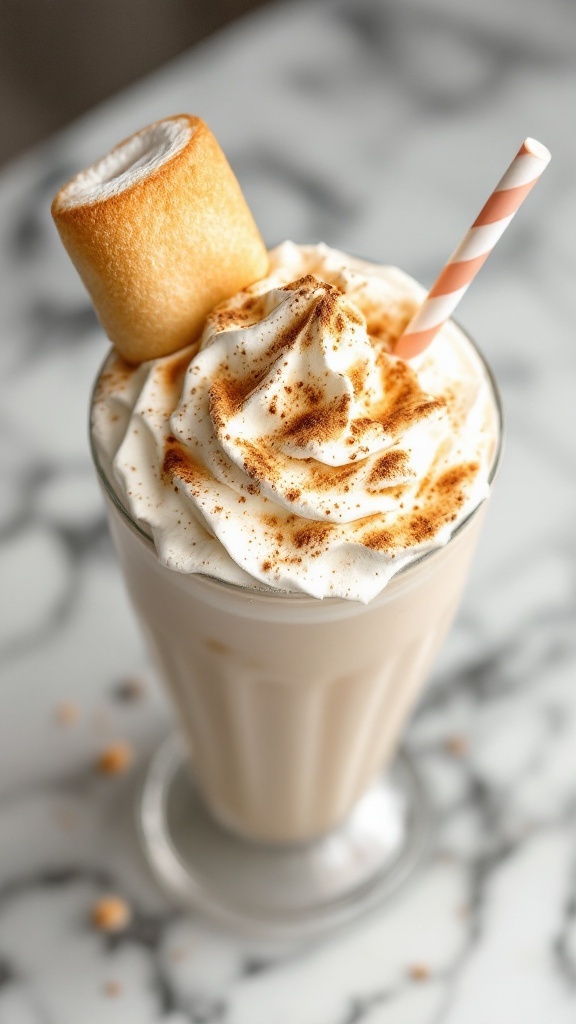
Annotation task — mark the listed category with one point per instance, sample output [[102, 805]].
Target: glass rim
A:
[[275, 592]]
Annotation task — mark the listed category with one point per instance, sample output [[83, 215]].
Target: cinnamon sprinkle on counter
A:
[[419, 972], [110, 914], [457, 746], [112, 989], [115, 759], [67, 713]]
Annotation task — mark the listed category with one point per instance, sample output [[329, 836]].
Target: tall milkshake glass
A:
[[274, 418], [284, 805]]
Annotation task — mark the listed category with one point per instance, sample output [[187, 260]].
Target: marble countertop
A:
[[379, 128]]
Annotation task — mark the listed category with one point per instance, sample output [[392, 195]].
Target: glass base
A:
[[284, 892]]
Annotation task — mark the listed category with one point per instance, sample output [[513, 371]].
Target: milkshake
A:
[[294, 507], [295, 510]]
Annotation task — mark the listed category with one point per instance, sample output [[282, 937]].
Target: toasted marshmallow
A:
[[159, 232]]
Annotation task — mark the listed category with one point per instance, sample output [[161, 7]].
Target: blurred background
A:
[[60, 57], [377, 126]]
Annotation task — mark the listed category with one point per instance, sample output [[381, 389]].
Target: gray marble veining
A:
[[377, 127]]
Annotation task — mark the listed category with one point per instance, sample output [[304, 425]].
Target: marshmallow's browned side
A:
[[159, 250]]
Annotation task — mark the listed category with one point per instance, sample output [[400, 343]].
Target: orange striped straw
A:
[[510, 192]]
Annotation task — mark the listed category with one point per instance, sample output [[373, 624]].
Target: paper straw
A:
[[510, 192]]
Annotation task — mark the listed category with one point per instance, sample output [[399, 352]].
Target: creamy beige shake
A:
[[295, 509]]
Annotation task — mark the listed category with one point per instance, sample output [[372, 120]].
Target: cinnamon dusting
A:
[[317, 425], [388, 467], [384, 402], [173, 370], [324, 478], [306, 283], [284, 339], [388, 324], [178, 462], [358, 375], [227, 395], [311, 534], [404, 403], [259, 463], [439, 497]]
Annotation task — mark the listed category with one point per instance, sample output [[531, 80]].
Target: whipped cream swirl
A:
[[289, 447]]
